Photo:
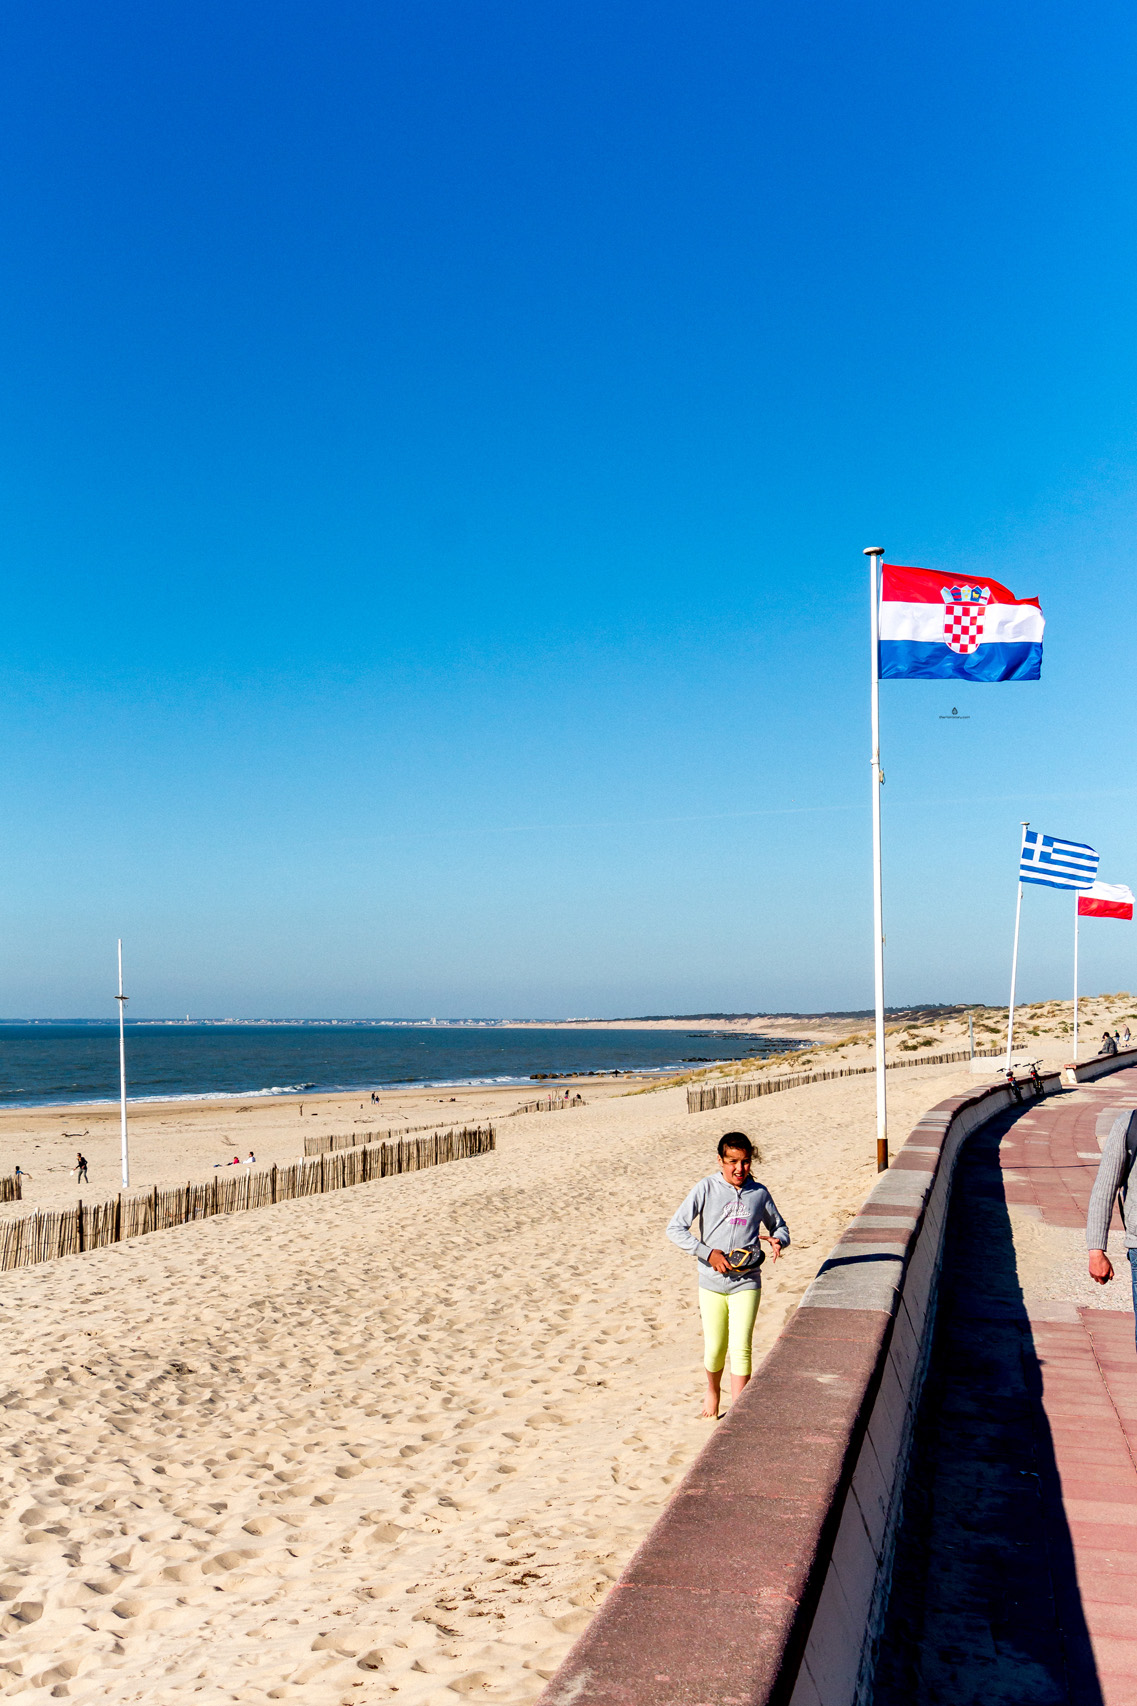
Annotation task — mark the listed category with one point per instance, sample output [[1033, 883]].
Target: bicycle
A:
[[1036, 1078]]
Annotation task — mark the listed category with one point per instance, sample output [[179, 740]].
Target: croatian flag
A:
[[1106, 900], [934, 627]]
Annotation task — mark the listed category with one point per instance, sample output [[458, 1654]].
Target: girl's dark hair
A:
[[736, 1140]]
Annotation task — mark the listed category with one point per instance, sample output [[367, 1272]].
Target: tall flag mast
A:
[[1100, 900], [1050, 863], [122, 1001], [874, 553], [929, 627], [1015, 956]]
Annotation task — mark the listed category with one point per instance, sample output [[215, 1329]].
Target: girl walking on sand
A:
[[729, 1209]]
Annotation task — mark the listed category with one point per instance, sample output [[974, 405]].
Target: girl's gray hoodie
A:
[[728, 1219]]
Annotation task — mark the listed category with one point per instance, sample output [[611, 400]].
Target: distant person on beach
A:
[[250, 1159], [729, 1209], [1114, 1170], [1125, 1037], [81, 1169], [21, 1175], [1108, 1046]]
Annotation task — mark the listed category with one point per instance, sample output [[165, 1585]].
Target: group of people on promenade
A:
[[1110, 1044]]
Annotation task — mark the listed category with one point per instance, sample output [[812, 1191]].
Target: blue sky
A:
[[437, 447]]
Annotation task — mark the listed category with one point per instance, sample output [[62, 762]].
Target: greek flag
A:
[[1056, 864]]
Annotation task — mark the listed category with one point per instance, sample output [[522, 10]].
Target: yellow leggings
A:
[[728, 1323]]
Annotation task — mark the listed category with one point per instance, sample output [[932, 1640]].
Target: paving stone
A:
[[991, 1554], [1112, 1612], [1085, 1483]]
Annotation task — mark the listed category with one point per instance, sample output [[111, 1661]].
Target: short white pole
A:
[[1015, 960], [1076, 898], [874, 553], [122, 1000]]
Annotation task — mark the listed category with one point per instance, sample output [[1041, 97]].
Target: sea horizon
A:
[[473, 1022]]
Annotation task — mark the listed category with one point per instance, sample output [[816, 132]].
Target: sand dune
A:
[[390, 1443]]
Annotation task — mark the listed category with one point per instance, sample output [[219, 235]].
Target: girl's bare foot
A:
[[711, 1407]]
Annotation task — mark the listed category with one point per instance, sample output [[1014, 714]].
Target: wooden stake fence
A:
[[357, 1139], [43, 1236], [10, 1188], [702, 1100], [549, 1105]]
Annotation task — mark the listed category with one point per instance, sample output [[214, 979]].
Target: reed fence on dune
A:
[[701, 1100], [11, 1189], [549, 1105], [43, 1236], [357, 1139]]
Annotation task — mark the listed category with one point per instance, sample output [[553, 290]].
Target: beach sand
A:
[[394, 1442], [171, 1142]]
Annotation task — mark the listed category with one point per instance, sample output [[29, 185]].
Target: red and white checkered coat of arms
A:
[[964, 604]]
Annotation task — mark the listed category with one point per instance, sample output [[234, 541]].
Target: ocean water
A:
[[48, 1063]]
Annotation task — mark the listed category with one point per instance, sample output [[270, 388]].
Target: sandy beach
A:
[[171, 1142], [390, 1443]]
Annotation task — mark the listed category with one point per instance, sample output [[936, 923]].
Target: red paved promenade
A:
[[1089, 1392], [1016, 1570], [1089, 1374]]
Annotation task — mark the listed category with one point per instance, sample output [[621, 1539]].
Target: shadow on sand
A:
[[985, 1608]]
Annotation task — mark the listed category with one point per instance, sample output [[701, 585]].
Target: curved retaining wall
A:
[[764, 1581]]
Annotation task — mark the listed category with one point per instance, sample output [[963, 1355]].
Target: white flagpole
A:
[[1076, 899], [1015, 961], [122, 1000], [874, 553]]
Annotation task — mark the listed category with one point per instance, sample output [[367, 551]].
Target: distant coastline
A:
[[734, 1022]]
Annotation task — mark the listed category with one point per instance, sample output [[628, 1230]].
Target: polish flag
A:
[[1106, 900]]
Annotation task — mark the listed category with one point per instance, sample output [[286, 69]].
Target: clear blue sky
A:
[[437, 446]]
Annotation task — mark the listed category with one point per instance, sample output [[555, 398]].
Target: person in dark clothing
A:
[[81, 1168]]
